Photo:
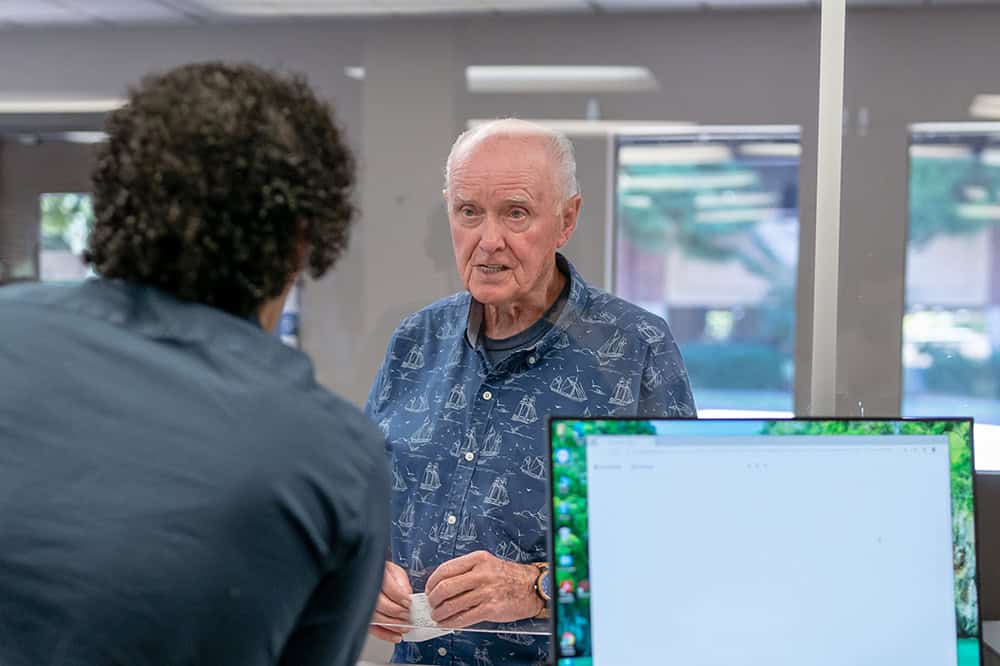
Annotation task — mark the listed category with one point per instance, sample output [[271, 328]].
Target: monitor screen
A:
[[777, 542]]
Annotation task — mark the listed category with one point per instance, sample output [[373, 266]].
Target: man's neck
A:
[[504, 321], [269, 313]]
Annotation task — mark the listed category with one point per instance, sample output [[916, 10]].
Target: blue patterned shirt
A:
[[467, 443]]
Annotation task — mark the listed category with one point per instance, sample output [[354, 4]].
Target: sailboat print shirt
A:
[[466, 438]]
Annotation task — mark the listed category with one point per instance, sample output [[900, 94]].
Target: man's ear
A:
[[567, 218], [302, 249]]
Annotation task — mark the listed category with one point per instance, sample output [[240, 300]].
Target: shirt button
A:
[[532, 360], [442, 652], [452, 519], [487, 395], [469, 456]]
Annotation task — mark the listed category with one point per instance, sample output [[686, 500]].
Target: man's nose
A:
[[492, 239]]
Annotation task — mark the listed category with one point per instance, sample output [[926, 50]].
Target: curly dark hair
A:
[[212, 177]]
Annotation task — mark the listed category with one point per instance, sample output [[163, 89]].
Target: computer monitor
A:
[[764, 543]]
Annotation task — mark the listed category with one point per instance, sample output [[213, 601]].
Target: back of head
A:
[[215, 180]]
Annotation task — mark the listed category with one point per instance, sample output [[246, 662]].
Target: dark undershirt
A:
[[498, 350]]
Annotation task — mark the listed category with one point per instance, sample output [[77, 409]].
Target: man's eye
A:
[[518, 214], [468, 211]]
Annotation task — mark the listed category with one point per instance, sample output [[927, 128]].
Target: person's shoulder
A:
[[613, 311], [455, 305], [37, 293], [445, 313], [325, 429]]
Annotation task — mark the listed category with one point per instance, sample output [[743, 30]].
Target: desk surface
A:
[[991, 645]]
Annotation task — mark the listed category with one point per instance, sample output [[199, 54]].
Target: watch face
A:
[[546, 584]]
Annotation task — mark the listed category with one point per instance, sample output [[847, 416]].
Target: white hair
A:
[[558, 143]]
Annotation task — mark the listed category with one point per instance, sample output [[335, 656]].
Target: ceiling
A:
[[28, 13]]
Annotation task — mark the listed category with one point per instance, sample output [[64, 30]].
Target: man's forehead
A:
[[463, 193], [528, 149], [515, 172]]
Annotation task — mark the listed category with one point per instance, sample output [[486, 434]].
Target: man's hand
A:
[[479, 587], [393, 606]]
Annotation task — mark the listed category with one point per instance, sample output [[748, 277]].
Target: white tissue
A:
[[424, 627]]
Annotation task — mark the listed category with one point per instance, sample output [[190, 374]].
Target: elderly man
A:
[[467, 382]]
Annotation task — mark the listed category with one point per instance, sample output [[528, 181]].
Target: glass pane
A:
[[951, 325], [707, 236], [66, 222]]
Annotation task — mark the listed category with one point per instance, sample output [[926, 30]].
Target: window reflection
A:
[[951, 325], [707, 236], [65, 225]]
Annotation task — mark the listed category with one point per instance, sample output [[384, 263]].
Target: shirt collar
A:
[[575, 304]]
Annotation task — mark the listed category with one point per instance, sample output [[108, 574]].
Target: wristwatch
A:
[[543, 587]]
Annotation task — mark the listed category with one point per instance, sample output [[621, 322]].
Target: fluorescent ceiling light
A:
[[60, 105], [377, 7], [84, 137], [771, 150], [545, 79], [516, 79], [674, 154], [981, 212], [940, 151], [985, 106], [573, 127], [735, 215], [734, 199], [955, 128], [684, 182]]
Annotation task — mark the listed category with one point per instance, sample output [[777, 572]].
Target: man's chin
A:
[[490, 294]]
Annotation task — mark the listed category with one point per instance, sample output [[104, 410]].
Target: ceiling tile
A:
[[126, 11], [540, 5], [626, 5], [365, 7], [39, 12], [759, 4]]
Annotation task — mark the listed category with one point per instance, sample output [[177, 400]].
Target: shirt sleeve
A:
[[666, 389], [333, 627], [372, 401]]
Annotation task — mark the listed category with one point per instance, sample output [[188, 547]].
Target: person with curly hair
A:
[[175, 487]]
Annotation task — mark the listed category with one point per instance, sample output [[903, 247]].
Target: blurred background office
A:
[[695, 124]]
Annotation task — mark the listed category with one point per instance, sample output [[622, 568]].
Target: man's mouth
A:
[[492, 268]]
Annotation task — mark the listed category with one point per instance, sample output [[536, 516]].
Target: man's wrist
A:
[[541, 582]]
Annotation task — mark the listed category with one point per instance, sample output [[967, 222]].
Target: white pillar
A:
[[823, 394]]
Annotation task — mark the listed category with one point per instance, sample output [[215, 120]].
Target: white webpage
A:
[[771, 551]]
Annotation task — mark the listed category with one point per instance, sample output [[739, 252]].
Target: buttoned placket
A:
[[483, 405]]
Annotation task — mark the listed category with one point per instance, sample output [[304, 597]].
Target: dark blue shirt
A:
[[466, 437], [175, 488]]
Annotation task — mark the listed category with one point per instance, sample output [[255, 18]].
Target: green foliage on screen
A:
[[570, 505]]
